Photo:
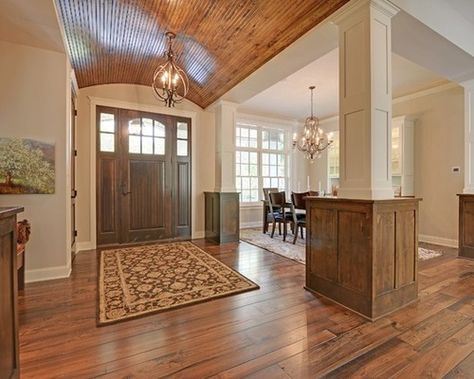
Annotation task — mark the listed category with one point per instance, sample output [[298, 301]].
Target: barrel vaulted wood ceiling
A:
[[219, 42]]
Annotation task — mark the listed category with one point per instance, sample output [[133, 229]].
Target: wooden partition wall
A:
[[466, 225], [363, 253]]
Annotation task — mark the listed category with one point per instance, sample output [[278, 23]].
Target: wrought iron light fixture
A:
[[313, 141], [170, 82]]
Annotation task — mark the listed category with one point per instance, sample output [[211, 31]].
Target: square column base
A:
[[222, 216], [363, 254]]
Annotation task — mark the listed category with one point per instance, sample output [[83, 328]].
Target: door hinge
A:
[[75, 153], [75, 233], [75, 112], [74, 194]]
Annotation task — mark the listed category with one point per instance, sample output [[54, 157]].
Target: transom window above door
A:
[[146, 136]]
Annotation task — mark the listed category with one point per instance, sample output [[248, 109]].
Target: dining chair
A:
[[277, 202], [299, 222], [267, 216], [298, 201]]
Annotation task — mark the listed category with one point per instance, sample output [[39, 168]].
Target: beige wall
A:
[[35, 103], [126, 95], [439, 145], [318, 170]]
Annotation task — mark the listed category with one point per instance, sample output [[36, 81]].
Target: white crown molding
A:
[[425, 92], [242, 117], [354, 6], [468, 84]]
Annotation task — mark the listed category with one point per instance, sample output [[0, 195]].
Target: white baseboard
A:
[[198, 234], [252, 224], [438, 240], [42, 274], [81, 246]]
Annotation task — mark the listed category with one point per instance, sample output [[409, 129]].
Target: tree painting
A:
[[26, 166]]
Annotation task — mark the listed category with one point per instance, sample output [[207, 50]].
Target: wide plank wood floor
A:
[[279, 331]]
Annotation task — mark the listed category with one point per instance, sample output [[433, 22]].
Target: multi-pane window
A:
[[274, 170], [107, 132], [146, 136], [261, 160]]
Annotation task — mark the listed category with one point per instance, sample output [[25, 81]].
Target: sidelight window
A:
[[107, 132], [182, 139]]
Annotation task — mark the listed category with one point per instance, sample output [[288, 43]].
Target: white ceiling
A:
[[290, 97], [31, 23]]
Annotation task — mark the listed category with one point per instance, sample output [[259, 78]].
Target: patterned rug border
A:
[[101, 323]]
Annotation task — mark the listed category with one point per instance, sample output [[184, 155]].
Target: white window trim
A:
[[261, 126]]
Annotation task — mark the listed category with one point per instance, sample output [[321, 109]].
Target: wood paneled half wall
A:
[[363, 253]]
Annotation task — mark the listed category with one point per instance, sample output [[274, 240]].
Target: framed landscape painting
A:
[[26, 166]]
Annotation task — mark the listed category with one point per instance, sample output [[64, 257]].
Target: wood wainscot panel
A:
[[9, 347], [466, 225], [363, 253], [222, 216]]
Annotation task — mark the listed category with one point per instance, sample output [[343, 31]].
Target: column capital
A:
[[225, 103], [468, 84], [353, 7]]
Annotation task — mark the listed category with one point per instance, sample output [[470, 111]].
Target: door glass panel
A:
[[107, 142], [159, 146], [147, 127], [147, 145], [134, 126], [107, 122], [182, 130], [134, 144], [159, 129], [182, 148]]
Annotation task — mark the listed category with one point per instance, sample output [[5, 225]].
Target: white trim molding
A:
[[468, 137], [250, 224], [83, 246], [425, 92], [438, 240], [50, 273]]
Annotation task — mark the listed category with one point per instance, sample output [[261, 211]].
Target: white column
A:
[[468, 136], [365, 99], [226, 113]]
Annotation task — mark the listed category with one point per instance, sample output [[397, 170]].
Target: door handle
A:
[[125, 189]]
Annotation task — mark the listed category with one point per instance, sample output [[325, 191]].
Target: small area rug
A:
[[297, 251], [136, 281]]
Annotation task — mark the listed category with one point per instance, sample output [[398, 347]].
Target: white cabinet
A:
[[403, 156]]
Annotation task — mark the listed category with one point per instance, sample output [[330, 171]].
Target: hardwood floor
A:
[[279, 331]]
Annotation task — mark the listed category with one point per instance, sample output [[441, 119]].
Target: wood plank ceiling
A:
[[219, 42]]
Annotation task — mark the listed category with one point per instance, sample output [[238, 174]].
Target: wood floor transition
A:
[[279, 331]]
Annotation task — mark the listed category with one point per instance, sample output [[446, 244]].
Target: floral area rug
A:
[[137, 281], [297, 251]]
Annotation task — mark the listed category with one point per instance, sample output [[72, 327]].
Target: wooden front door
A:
[[143, 176]]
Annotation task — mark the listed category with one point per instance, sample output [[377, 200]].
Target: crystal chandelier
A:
[[170, 83], [313, 141]]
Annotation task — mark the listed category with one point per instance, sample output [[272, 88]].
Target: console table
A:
[[9, 359]]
